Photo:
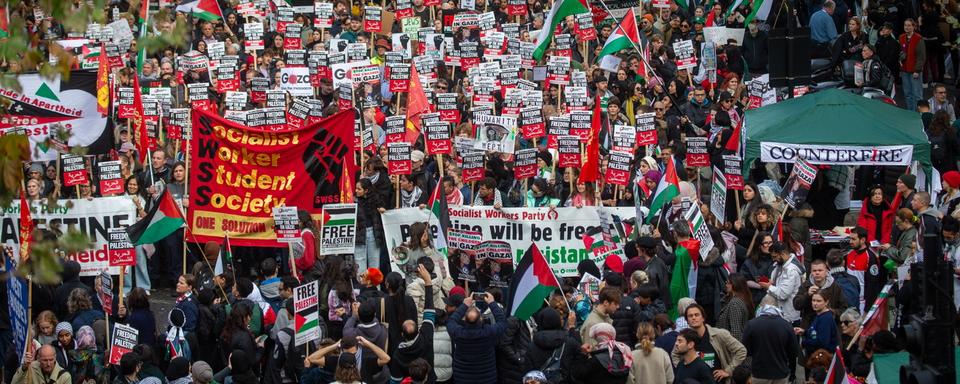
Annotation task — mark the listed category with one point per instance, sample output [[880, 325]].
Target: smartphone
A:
[[479, 295]]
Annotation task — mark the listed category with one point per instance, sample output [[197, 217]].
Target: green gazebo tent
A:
[[835, 127]]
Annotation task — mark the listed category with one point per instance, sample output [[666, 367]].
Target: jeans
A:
[[367, 255], [912, 89], [141, 270]]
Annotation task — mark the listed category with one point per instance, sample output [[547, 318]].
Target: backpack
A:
[[938, 148], [278, 359], [552, 368], [615, 366]]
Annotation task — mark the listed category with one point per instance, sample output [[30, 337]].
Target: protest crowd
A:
[[433, 191]]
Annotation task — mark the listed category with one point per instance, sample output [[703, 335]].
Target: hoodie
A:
[[71, 280], [549, 337]]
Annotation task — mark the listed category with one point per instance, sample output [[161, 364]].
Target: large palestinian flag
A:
[[208, 10], [70, 103], [532, 282], [164, 219]]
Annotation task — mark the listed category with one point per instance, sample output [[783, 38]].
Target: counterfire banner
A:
[[240, 174], [558, 233], [42, 103], [92, 217], [771, 152]]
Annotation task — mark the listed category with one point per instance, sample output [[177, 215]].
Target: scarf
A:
[[409, 199], [769, 310], [373, 179], [606, 337]]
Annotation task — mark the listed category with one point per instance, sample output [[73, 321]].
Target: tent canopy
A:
[[834, 118]]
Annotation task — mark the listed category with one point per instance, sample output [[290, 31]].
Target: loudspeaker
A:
[[789, 57]]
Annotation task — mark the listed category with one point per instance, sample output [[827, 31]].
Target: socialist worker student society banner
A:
[[240, 174]]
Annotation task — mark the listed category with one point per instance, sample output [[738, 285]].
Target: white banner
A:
[[92, 217], [296, 81], [558, 233], [772, 152]]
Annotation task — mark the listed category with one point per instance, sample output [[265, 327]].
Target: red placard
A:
[[438, 138], [697, 155], [398, 158], [618, 168], [569, 150], [111, 180], [120, 249], [525, 163], [472, 169], [74, 171]]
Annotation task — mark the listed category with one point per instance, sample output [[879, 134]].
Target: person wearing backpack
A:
[[553, 346], [608, 362], [285, 359]]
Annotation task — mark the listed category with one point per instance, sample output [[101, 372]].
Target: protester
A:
[[474, 358], [42, 370], [650, 364], [722, 353]]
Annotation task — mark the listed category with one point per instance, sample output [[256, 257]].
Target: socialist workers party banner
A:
[[240, 174], [42, 104], [93, 217], [558, 233]]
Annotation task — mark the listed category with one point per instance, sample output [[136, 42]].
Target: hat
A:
[[614, 263], [65, 326], [347, 360], [455, 298], [416, 155], [952, 178], [211, 250], [127, 147], [535, 375], [545, 156], [888, 25], [176, 317], [909, 180], [374, 276], [202, 372], [36, 167], [179, 367], [383, 43], [726, 95], [648, 17]]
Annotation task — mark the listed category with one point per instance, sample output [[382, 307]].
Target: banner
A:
[[771, 152], [558, 232], [306, 305], [17, 296], [338, 229], [124, 339], [241, 174], [42, 104], [93, 217]]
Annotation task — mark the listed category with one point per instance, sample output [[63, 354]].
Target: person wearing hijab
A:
[[64, 344], [607, 362]]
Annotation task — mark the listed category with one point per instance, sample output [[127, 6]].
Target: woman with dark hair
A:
[[584, 196], [340, 301], [376, 173], [236, 335], [177, 184], [138, 315], [305, 252], [369, 239], [877, 214], [241, 371], [758, 266], [541, 195], [396, 308], [761, 220], [419, 245], [737, 305], [186, 301]]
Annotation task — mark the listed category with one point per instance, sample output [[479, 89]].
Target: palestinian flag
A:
[[26, 228], [224, 258], [593, 241], [667, 189], [877, 319], [624, 37], [561, 9], [683, 282], [208, 10], [759, 9], [438, 209], [837, 373], [164, 218], [142, 53], [532, 282], [340, 215]]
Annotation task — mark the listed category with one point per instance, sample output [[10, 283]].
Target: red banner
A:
[[240, 174]]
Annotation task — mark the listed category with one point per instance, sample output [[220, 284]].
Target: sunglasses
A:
[[846, 322], [767, 243]]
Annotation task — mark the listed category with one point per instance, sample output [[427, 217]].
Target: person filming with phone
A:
[[474, 357]]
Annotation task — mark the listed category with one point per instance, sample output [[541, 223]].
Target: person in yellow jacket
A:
[[44, 370]]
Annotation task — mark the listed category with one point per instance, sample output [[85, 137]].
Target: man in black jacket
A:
[[755, 48], [770, 340], [888, 49]]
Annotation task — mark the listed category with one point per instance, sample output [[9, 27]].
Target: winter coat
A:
[[442, 354], [474, 345], [785, 280], [625, 320], [545, 342], [754, 271], [822, 333], [57, 376], [595, 317], [592, 368], [734, 316], [729, 351], [903, 248], [653, 368], [71, 281], [188, 304], [513, 361], [868, 221], [772, 345], [830, 290], [711, 279], [659, 276], [755, 51]]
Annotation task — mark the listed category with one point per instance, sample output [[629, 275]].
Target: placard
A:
[[525, 163], [338, 229], [74, 170], [569, 151], [580, 123], [306, 304], [495, 133], [618, 168], [111, 180], [120, 248], [438, 137], [718, 195], [697, 155], [732, 169], [296, 81], [398, 158], [624, 137], [797, 187], [286, 224], [532, 125], [559, 126], [473, 166], [685, 56], [124, 339], [372, 19], [394, 128], [647, 129]]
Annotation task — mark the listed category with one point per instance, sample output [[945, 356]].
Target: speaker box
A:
[[789, 57]]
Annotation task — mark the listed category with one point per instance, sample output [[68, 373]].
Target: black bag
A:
[[938, 148], [552, 368], [289, 360]]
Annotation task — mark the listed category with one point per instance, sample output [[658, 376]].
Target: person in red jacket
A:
[[877, 215], [303, 257], [912, 57]]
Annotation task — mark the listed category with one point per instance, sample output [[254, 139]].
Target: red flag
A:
[[591, 167], [103, 80], [26, 228], [139, 123], [417, 105], [733, 144], [347, 185]]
